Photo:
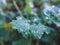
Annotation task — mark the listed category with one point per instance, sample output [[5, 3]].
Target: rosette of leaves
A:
[[51, 15], [27, 30]]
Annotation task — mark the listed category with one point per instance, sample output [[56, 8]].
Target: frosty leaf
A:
[[38, 30], [35, 32], [43, 28], [51, 13], [55, 10], [3, 3], [57, 24], [23, 27]]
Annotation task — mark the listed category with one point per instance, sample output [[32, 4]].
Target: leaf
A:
[[27, 30], [4, 33], [20, 42]]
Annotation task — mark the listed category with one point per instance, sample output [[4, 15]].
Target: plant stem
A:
[[17, 8], [1, 41], [38, 41], [30, 41]]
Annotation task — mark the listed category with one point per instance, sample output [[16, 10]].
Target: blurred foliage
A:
[[39, 23]]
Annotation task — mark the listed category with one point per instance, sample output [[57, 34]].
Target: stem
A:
[[38, 41], [1, 41], [30, 43], [17, 8]]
